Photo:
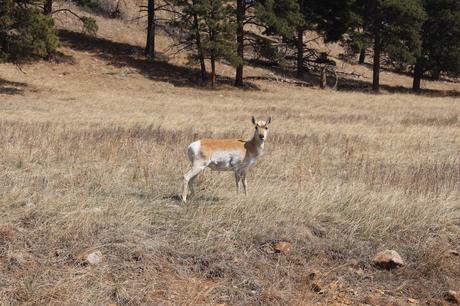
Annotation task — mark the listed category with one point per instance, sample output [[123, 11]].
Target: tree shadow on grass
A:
[[123, 54], [12, 88], [350, 84], [346, 82]]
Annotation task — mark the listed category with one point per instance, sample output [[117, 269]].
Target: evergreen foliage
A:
[[218, 42], [394, 26], [25, 32], [329, 18], [358, 38], [89, 25], [275, 17], [424, 34], [400, 25], [440, 40]]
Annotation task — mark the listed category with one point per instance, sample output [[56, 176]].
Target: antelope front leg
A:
[[245, 185], [237, 180]]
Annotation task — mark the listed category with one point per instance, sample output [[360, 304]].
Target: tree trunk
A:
[[240, 12], [150, 43], [418, 72], [376, 64], [300, 69], [213, 71], [436, 73], [362, 55], [212, 39], [198, 47], [323, 78], [48, 7]]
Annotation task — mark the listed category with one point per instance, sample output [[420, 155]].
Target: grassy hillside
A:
[[92, 153]]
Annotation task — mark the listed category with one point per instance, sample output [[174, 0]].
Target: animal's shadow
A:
[[197, 199]]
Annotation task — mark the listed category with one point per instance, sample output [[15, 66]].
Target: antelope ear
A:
[[253, 120], [269, 120]]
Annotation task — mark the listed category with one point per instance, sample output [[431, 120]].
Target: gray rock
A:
[[388, 259], [94, 258]]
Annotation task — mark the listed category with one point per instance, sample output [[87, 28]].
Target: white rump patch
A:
[[193, 149]]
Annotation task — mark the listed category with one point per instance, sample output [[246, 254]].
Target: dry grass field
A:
[[92, 156]]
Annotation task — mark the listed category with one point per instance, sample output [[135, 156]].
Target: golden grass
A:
[[344, 175], [92, 158]]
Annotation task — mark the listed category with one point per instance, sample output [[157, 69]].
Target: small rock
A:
[[381, 292], [6, 233], [354, 292], [453, 297], [138, 255], [412, 301], [388, 259], [317, 288], [94, 258], [312, 275], [282, 247]]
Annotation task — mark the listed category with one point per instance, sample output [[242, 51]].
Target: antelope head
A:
[[261, 128]]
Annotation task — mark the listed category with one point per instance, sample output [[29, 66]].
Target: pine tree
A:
[[279, 19], [358, 39], [150, 39], [241, 8], [199, 47], [440, 40], [207, 30], [394, 26], [275, 17], [218, 42], [330, 18], [24, 31], [152, 8], [190, 30]]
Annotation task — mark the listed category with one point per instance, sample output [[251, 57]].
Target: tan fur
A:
[[210, 146], [226, 154]]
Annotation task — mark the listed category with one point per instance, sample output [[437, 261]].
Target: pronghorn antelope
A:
[[226, 155]]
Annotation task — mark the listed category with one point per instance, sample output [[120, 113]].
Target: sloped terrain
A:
[[92, 153]]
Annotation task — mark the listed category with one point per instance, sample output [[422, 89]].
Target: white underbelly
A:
[[225, 161]]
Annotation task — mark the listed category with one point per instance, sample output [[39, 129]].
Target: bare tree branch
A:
[[67, 11], [18, 66]]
